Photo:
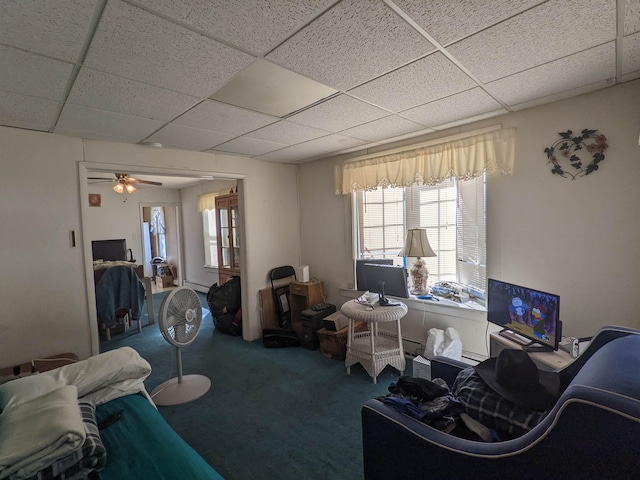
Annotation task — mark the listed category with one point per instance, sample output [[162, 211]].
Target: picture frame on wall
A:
[[95, 200]]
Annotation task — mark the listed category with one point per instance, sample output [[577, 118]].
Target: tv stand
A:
[[546, 360], [536, 347], [515, 337]]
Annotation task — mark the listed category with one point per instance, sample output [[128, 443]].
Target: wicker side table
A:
[[374, 349]]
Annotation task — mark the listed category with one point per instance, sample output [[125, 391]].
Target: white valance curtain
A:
[[207, 202], [462, 158]]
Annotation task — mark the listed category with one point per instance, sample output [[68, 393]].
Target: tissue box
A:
[[421, 368]]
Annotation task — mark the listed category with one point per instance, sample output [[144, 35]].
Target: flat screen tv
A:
[[386, 279], [529, 313], [109, 250]]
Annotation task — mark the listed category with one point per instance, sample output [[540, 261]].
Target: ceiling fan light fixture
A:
[[118, 187], [130, 188]]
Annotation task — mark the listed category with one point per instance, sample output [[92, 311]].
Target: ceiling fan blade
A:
[[101, 178], [147, 182]]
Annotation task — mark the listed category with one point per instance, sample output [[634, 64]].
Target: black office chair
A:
[[281, 298]]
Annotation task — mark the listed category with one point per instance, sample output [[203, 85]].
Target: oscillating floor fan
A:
[[179, 320]]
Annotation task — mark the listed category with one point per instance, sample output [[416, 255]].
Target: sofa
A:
[[91, 419], [592, 431]]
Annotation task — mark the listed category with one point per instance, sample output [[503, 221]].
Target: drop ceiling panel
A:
[[530, 39], [135, 44], [464, 104], [27, 112], [248, 146], [420, 82], [570, 72], [252, 25], [631, 53], [189, 138], [339, 52], [287, 131], [20, 73], [219, 117], [116, 94], [384, 128], [447, 21], [338, 113], [312, 149], [81, 121], [57, 29]]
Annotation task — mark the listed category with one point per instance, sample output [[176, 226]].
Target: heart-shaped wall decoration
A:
[[570, 154]]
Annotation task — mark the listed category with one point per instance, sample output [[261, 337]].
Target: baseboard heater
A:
[[197, 287]]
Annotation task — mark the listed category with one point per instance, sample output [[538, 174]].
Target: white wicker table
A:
[[374, 349]]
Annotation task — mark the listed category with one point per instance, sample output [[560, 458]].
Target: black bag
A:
[[279, 338], [224, 302]]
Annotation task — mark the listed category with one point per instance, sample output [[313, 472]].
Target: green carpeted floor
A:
[[271, 413]]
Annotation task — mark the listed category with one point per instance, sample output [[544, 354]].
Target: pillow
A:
[[23, 389], [508, 419]]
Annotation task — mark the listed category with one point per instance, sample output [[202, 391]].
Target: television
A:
[[361, 281], [525, 312], [386, 279], [109, 250]]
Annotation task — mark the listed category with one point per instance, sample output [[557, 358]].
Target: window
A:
[[453, 213], [210, 238]]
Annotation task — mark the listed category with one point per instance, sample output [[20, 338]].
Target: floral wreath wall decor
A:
[[574, 150]]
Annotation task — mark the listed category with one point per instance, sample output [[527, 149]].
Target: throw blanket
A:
[[41, 425], [36, 433]]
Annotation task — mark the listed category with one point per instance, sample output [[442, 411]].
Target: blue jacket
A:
[[119, 287]]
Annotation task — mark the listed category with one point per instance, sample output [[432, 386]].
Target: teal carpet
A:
[[270, 413]]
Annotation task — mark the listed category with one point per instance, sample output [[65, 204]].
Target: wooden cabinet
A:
[[228, 240], [302, 296]]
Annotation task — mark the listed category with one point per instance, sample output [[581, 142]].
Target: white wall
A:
[[119, 215], [575, 238], [47, 296]]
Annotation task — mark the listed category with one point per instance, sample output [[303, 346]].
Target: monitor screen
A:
[[530, 313], [387, 279], [361, 281], [109, 250]]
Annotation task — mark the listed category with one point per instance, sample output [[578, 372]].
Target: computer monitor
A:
[[109, 250], [530, 313], [361, 281], [386, 279]]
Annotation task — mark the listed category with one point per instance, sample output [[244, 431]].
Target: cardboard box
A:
[[164, 282], [269, 315], [334, 344], [421, 367], [334, 322]]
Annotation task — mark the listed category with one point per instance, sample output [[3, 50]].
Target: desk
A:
[[374, 349], [544, 360]]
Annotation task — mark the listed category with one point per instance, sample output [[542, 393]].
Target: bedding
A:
[[49, 425]]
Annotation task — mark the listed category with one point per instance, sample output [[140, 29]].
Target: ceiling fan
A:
[[125, 183]]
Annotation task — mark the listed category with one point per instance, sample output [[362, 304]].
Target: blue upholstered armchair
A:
[[593, 431]]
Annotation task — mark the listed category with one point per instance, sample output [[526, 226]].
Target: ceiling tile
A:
[[248, 146], [385, 128], [631, 16], [447, 21], [81, 121], [312, 149], [530, 39], [219, 117], [287, 132], [255, 26], [567, 73], [338, 113], [419, 82], [342, 53], [187, 137], [21, 73], [57, 29], [133, 43], [27, 112], [464, 104], [116, 94], [631, 53]]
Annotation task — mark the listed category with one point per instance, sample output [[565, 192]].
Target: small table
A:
[[544, 360], [374, 349]]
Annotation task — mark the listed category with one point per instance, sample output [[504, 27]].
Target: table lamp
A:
[[417, 245]]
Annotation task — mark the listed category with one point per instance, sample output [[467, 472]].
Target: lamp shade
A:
[[417, 244]]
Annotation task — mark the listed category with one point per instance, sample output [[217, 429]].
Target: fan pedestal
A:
[[175, 392]]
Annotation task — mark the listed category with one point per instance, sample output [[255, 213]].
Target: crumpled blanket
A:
[[36, 433]]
